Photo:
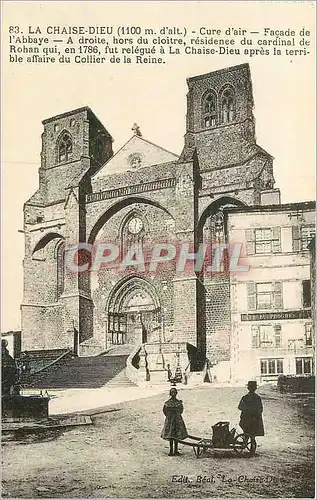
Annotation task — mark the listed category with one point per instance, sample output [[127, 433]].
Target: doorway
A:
[[134, 313]]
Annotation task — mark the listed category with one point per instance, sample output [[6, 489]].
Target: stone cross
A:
[[136, 130]]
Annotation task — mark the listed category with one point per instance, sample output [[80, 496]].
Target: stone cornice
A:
[[128, 190]]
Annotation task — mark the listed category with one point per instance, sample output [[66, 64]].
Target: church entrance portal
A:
[[134, 314]]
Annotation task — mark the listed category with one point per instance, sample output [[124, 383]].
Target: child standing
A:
[[174, 426]]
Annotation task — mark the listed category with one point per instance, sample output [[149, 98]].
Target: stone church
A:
[[141, 194]]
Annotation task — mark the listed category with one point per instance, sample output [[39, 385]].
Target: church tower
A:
[[233, 171], [74, 145], [219, 117]]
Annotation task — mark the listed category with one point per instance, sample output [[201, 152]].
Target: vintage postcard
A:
[[158, 249]]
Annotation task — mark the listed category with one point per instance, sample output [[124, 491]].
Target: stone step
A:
[[120, 350], [195, 378], [85, 372]]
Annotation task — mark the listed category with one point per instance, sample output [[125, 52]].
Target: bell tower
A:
[[71, 142], [219, 117]]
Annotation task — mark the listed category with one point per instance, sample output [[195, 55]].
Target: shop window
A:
[[271, 366], [303, 366]]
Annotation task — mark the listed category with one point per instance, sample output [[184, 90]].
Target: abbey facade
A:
[[144, 195]]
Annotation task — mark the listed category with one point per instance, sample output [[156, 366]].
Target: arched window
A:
[[65, 148], [210, 110], [227, 105], [60, 268]]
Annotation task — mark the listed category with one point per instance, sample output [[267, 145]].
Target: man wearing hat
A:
[[251, 412]]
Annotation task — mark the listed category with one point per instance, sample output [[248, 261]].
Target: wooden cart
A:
[[242, 444]]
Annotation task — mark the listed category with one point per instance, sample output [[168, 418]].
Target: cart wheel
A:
[[244, 443]]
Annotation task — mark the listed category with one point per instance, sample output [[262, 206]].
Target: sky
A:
[[152, 96]]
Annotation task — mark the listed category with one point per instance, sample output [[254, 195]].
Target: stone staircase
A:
[[120, 350], [85, 372], [195, 379]]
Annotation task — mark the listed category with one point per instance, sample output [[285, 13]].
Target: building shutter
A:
[[278, 294], [308, 334], [277, 333], [279, 366], [255, 336], [276, 236], [296, 239], [250, 241], [299, 366], [307, 366], [306, 293], [251, 295]]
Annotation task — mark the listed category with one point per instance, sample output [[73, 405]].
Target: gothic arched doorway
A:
[[134, 313]]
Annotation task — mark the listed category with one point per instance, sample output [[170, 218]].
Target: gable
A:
[[135, 154]]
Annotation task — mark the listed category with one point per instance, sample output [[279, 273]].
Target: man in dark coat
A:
[[251, 412], [174, 426], [9, 370]]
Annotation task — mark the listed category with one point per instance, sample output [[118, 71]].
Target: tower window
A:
[[210, 110], [65, 149], [227, 105]]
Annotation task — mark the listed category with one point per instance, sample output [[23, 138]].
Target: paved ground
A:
[[75, 400], [65, 401], [122, 455]]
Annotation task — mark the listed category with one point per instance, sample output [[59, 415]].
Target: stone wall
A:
[[218, 326]]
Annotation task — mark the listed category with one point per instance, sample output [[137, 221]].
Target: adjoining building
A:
[[312, 250], [271, 304], [220, 188]]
